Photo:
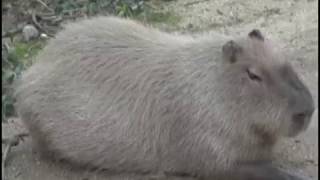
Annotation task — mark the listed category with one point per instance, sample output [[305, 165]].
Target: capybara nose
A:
[[303, 117]]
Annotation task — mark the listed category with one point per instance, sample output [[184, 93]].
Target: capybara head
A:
[[270, 93]]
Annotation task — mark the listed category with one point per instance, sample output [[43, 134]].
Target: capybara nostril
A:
[[303, 117], [299, 118]]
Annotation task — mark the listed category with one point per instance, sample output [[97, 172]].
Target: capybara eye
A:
[[253, 76]]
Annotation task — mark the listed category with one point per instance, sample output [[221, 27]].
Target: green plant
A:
[[7, 106], [11, 69], [14, 61], [127, 9]]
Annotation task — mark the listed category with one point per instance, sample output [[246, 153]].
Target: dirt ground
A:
[[292, 22]]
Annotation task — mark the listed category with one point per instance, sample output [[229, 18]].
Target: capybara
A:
[[114, 94]]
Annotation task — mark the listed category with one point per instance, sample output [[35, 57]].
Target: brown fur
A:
[[114, 94]]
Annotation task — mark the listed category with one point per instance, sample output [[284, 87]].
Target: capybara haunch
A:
[[114, 94]]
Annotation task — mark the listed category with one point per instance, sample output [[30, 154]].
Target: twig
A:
[[45, 5], [6, 46], [35, 22], [12, 32], [195, 2], [46, 14], [48, 18], [6, 152], [13, 141]]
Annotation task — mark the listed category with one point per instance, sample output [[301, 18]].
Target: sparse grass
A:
[[137, 9], [163, 17], [125, 8]]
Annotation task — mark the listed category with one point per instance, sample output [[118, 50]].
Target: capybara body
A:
[[114, 94]]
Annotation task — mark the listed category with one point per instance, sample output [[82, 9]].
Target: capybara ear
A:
[[230, 49], [256, 33]]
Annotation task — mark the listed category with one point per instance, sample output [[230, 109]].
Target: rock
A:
[[29, 32]]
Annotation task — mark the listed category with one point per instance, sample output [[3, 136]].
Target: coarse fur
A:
[[114, 94]]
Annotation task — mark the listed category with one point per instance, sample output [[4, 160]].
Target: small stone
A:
[[189, 26], [29, 32], [297, 141], [43, 36], [219, 12]]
